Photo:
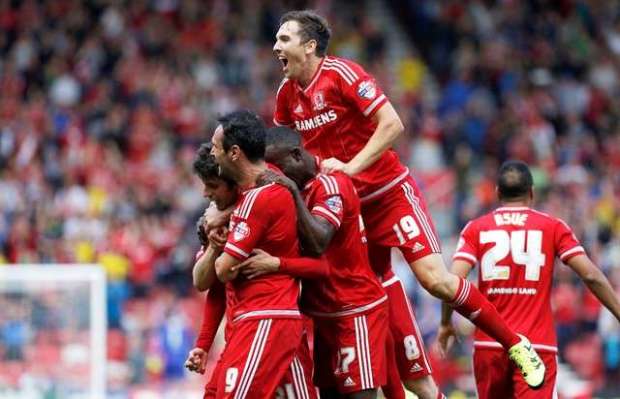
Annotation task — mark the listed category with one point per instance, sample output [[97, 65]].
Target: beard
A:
[[226, 172]]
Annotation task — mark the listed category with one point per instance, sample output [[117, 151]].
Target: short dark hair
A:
[[282, 135], [246, 130], [312, 26], [205, 166], [514, 180]]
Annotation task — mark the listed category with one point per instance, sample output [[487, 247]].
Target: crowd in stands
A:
[[103, 104]]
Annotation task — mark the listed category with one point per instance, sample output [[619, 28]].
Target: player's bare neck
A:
[[516, 203], [249, 173], [310, 70]]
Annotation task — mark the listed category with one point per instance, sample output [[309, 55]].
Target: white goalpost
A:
[[53, 323]]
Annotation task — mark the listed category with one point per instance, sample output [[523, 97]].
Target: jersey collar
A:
[[317, 162], [315, 77], [512, 208]]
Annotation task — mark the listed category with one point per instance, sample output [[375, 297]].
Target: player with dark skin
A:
[[315, 232], [581, 264], [515, 194]]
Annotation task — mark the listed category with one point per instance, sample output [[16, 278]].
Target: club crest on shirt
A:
[[367, 90], [318, 101], [334, 204], [241, 231]]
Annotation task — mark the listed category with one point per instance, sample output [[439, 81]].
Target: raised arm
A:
[[203, 273], [596, 282], [315, 232], [389, 128]]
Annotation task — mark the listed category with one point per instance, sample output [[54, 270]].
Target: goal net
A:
[[52, 331]]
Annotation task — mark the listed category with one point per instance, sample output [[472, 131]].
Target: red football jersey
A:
[[352, 287], [516, 249], [264, 218], [334, 117]]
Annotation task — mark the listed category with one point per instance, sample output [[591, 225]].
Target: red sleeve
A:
[[253, 215], [305, 267], [214, 309], [566, 243], [281, 115], [359, 87], [467, 247], [328, 201]]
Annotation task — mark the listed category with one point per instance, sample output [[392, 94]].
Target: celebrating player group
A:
[[296, 250]]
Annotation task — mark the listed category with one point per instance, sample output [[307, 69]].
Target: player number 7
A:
[[345, 358], [515, 244]]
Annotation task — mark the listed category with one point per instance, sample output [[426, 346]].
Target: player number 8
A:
[[406, 229], [412, 351]]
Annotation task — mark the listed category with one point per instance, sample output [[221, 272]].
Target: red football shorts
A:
[[349, 352], [257, 357], [411, 358], [297, 382], [498, 377], [399, 219]]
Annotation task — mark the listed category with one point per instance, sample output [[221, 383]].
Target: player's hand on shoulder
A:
[[196, 360], [334, 165], [267, 177], [446, 335], [288, 183]]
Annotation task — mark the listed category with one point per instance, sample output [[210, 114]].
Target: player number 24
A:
[[515, 244]]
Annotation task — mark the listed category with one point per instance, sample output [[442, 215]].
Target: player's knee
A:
[[424, 388]]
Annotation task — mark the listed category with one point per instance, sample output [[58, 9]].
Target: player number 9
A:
[[231, 379]]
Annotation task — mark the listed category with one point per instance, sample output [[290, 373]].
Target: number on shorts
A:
[[286, 392], [231, 379], [345, 358], [531, 257], [362, 230], [406, 229], [412, 351]]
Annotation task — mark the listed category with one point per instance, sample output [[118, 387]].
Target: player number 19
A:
[[406, 229]]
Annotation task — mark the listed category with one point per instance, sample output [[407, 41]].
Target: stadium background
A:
[[103, 103]]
